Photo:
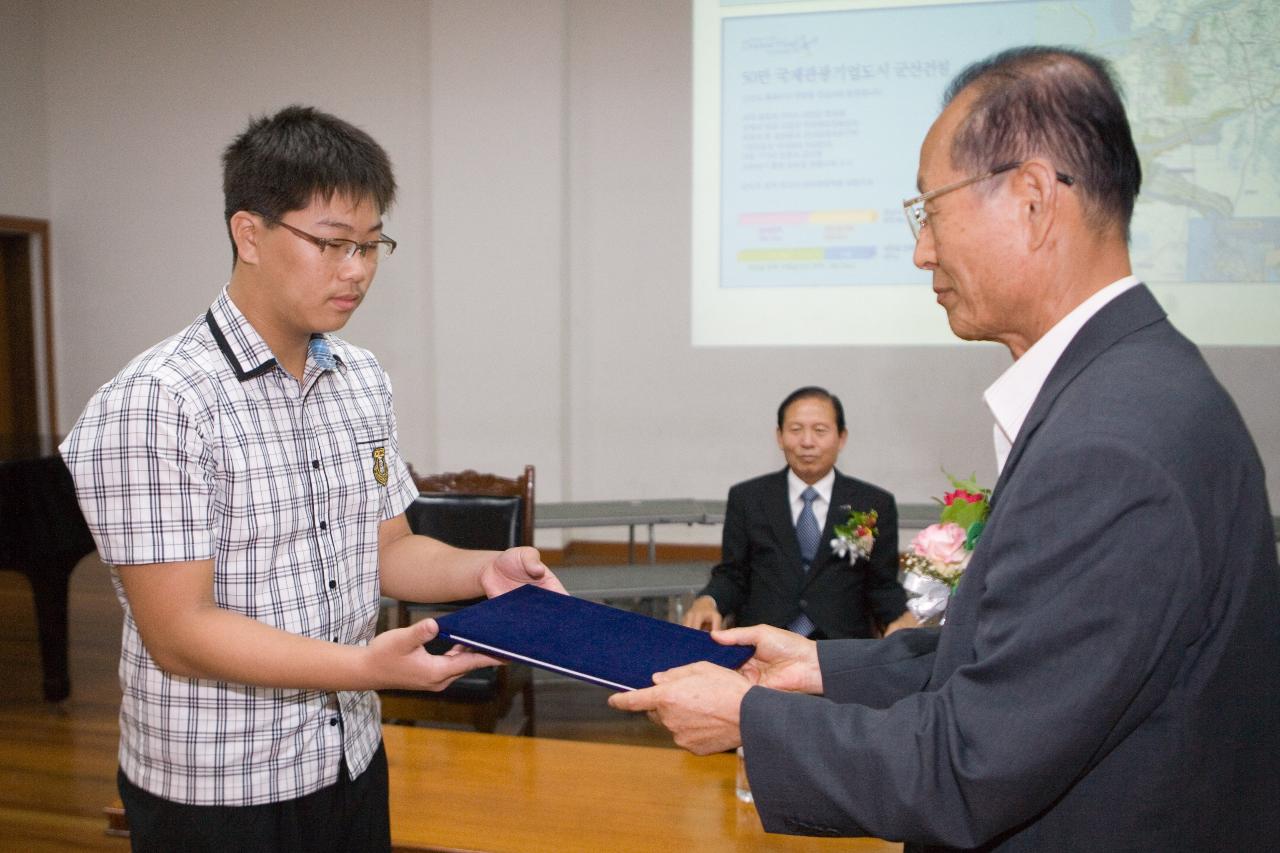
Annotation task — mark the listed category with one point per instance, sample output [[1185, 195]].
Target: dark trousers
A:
[[350, 815]]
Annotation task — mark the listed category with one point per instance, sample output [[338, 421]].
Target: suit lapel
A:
[[1128, 312], [777, 509]]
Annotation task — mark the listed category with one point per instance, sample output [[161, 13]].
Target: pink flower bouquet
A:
[[940, 553]]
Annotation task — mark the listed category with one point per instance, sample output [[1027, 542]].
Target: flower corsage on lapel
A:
[[857, 535], [940, 553]]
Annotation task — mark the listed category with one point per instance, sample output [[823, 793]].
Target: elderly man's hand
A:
[[697, 703], [703, 614], [906, 620], [783, 660]]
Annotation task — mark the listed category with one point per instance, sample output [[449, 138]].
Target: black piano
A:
[[42, 535]]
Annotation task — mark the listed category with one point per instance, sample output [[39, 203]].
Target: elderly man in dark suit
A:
[[1107, 675], [777, 566]]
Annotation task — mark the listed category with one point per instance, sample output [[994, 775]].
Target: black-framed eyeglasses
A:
[[914, 207], [338, 249]]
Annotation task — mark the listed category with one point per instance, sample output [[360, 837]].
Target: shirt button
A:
[[333, 584], [324, 525], [333, 722], [315, 463], [335, 639], [804, 603]]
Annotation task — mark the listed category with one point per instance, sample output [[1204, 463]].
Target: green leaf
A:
[[964, 513], [969, 485], [972, 533]]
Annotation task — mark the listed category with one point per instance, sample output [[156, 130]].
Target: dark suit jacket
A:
[[1108, 675], [760, 578]]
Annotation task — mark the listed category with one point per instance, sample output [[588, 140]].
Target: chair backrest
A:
[[473, 510], [467, 521], [470, 510]]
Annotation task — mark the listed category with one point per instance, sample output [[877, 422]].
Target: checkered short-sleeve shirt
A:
[[203, 448]]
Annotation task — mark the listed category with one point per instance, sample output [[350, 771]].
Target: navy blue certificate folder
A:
[[594, 642]]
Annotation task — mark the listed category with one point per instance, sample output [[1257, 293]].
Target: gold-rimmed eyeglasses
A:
[[338, 249], [917, 218]]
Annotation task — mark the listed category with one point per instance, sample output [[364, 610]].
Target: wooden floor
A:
[[58, 761]]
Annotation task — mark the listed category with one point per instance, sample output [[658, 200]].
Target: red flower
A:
[[961, 494]]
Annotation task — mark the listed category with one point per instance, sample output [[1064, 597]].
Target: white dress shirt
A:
[[1010, 397], [796, 487]]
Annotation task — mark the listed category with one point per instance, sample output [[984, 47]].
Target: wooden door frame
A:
[[40, 228]]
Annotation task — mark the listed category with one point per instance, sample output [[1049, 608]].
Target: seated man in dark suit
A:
[[777, 565]]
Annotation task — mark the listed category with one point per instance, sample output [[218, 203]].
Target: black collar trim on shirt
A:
[[221, 340]]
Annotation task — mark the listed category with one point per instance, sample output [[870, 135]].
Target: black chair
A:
[[469, 510]]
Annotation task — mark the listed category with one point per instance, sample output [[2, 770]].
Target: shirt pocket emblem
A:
[[380, 465]]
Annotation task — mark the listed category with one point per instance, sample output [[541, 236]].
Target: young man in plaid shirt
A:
[[243, 480]]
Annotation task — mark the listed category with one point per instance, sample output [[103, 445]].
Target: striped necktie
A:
[[807, 536], [807, 533]]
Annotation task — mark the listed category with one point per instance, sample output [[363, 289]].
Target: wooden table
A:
[[462, 791]]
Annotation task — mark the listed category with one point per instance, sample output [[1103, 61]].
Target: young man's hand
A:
[[515, 567], [397, 659]]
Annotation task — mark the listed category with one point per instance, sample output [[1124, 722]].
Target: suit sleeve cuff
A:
[[877, 673]]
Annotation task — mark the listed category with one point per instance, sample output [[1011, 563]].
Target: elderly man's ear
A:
[[1039, 193]]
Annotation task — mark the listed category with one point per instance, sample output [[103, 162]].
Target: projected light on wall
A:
[[808, 118]]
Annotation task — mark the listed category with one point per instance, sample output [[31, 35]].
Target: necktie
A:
[[807, 535]]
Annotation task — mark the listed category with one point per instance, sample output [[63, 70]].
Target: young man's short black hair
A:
[[813, 392], [282, 162]]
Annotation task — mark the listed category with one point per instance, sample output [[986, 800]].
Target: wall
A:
[[539, 308], [24, 164], [143, 97], [497, 201], [651, 414]]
